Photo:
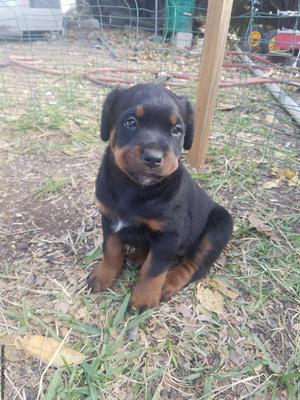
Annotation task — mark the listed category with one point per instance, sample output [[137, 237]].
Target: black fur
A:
[[187, 214]]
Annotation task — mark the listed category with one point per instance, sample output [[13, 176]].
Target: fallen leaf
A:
[[295, 181], [258, 368], [210, 299], [10, 351], [221, 287], [283, 172], [184, 310], [43, 349], [271, 184], [261, 227], [290, 174], [227, 107], [7, 340], [270, 118], [160, 333], [81, 313]]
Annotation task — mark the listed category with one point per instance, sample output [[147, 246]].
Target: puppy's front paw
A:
[[142, 298], [167, 291], [100, 279]]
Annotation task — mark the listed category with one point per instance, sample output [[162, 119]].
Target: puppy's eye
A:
[[177, 130], [131, 122]]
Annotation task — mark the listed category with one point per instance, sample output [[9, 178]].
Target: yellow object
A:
[[254, 38]]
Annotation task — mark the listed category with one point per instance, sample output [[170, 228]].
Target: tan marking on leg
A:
[[181, 274], [105, 272], [147, 292], [178, 277]]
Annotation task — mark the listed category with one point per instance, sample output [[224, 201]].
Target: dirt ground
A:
[[50, 234]]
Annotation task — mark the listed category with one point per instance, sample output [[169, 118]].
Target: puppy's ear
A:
[[188, 118], [108, 113]]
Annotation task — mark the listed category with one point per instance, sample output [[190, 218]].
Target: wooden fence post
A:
[[215, 37]]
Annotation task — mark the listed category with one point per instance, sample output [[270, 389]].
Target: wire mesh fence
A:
[[59, 63]]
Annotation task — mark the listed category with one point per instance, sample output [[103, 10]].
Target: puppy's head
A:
[[147, 127]]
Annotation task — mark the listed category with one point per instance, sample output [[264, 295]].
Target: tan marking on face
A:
[[170, 163], [128, 158], [139, 111], [112, 138], [152, 223], [173, 118], [104, 210]]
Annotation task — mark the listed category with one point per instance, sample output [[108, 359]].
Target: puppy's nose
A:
[[152, 158]]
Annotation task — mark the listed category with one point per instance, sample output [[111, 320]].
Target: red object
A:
[[287, 40]]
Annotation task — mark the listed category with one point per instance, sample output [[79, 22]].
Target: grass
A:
[[177, 351], [52, 185]]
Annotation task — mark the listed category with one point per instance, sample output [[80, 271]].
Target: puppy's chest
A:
[[117, 224], [121, 220]]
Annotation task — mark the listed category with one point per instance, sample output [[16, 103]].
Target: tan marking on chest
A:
[[152, 223]]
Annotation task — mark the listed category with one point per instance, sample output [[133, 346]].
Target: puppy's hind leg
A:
[[214, 238]]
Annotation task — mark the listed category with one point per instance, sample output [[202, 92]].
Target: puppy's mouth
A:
[[145, 178], [130, 161]]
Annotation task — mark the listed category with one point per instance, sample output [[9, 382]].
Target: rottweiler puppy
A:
[[149, 201]]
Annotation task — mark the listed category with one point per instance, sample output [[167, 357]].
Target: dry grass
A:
[[50, 236]]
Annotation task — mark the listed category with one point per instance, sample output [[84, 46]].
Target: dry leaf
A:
[[294, 181], [160, 333], [221, 287], [283, 172], [261, 227], [210, 299], [228, 107], [271, 184], [7, 340], [290, 174], [270, 118], [81, 313], [184, 310], [11, 353], [44, 348]]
